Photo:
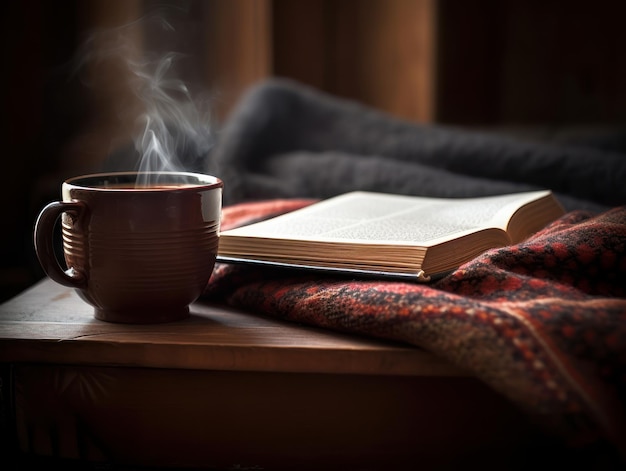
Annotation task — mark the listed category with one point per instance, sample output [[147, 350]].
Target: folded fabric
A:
[[287, 140], [542, 322]]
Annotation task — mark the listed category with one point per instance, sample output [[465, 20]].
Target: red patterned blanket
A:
[[542, 322]]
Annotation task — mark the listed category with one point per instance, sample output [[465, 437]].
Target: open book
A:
[[392, 235]]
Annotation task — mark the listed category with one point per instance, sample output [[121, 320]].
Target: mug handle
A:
[[44, 246]]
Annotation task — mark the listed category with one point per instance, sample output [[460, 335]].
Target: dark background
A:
[[546, 67]]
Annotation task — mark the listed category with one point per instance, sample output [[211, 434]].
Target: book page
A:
[[383, 218]]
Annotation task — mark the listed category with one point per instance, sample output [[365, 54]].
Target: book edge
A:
[[418, 276]]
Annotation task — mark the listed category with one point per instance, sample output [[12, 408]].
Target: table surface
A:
[[49, 323]]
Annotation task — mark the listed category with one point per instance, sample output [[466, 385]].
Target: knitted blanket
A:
[[542, 322]]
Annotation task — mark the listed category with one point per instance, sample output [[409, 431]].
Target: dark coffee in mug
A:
[[124, 186]]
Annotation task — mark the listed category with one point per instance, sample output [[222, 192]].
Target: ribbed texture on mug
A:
[[145, 262]]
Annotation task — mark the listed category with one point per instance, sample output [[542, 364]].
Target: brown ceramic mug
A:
[[137, 252]]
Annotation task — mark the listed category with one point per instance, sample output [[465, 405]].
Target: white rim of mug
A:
[[75, 182]]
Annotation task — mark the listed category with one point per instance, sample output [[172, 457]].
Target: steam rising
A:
[[171, 127], [176, 133]]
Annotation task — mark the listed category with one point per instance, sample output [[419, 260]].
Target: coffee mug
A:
[[138, 247]]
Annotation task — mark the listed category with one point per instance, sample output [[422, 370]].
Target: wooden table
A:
[[226, 389]]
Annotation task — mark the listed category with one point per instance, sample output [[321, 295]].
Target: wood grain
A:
[[225, 387], [49, 323]]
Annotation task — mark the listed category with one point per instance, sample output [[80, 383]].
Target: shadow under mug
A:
[[137, 252]]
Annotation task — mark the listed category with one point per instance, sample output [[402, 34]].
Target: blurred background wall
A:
[[485, 63]]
